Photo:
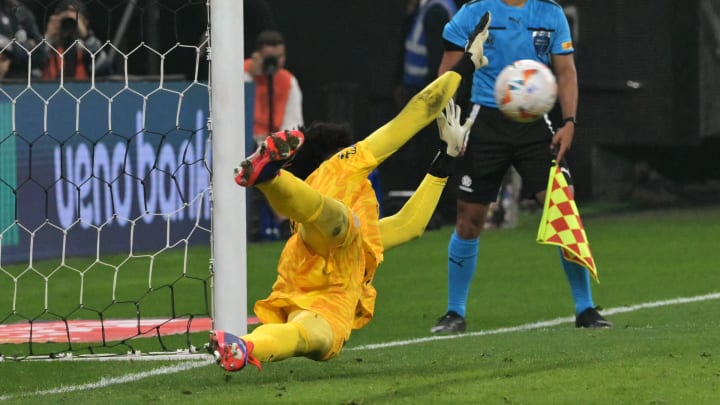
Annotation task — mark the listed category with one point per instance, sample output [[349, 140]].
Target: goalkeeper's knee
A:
[[317, 331]]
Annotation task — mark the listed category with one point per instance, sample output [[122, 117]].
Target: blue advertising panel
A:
[[113, 167]]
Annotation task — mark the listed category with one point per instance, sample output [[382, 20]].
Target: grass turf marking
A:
[[205, 360], [541, 324], [105, 382]]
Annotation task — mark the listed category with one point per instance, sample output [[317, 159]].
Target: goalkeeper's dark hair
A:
[[322, 140]]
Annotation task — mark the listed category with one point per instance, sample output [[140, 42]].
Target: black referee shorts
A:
[[496, 143]]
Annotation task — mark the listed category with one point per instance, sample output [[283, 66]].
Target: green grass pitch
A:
[[667, 354]]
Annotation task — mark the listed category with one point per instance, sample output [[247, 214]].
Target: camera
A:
[[69, 31], [270, 65]]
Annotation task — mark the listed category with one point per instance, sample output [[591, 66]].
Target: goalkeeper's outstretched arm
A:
[[429, 102], [412, 219]]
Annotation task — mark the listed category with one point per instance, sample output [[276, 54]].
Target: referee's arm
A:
[[566, 74], [451, 56], [453, 53]]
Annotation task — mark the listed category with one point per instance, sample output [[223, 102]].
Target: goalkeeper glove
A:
[[454, 136], [451, 132], [474, 45]]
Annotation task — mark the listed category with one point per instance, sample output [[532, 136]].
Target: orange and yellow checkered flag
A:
[[561, 225]]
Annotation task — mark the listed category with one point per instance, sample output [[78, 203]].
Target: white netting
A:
[[105, 180]]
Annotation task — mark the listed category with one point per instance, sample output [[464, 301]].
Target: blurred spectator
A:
[[278, 98], [18, 26], [278, 106], [423, 44], [70, 23]]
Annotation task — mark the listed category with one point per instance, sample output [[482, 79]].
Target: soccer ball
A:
[[525, 90]]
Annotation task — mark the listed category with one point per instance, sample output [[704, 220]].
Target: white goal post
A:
[[227, 113]]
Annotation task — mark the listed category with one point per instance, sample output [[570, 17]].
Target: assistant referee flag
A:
[[561, 224]]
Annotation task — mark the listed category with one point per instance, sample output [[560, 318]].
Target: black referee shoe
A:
[[591, 318], [449, 323]]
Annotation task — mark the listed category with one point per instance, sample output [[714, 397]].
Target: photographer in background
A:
[[69, 23], [278, 106], [278, 99]]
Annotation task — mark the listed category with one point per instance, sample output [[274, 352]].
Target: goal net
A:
[[106, 163]]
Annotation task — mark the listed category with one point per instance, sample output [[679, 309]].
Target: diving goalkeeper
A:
[[324, 288]]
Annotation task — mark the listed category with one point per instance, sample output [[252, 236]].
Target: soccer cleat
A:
[[591, 318], [476, 41], [276, 151], [231, 352], [449, 323]]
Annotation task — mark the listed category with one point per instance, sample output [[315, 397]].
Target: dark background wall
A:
[[649, 107], [345, 54]]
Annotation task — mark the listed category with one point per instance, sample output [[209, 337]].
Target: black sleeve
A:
[[443, 166], [449, 46], [462, 95]]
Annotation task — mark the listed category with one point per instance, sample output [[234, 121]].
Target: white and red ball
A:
[[526, 90]]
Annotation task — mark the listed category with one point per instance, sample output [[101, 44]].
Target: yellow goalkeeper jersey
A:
[[338, 287]]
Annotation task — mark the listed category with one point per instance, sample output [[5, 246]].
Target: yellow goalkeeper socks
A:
[[305, 334]]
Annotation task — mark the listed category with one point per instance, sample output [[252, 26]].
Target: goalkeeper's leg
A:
[[422, 109], [305, 334], [323, 220], [425, 106]]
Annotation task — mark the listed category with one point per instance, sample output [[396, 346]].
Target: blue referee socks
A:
[[579, 279], [462, 259]]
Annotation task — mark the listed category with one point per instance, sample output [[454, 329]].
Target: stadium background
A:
[[648, 107], [649, 124], [649, 128]]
